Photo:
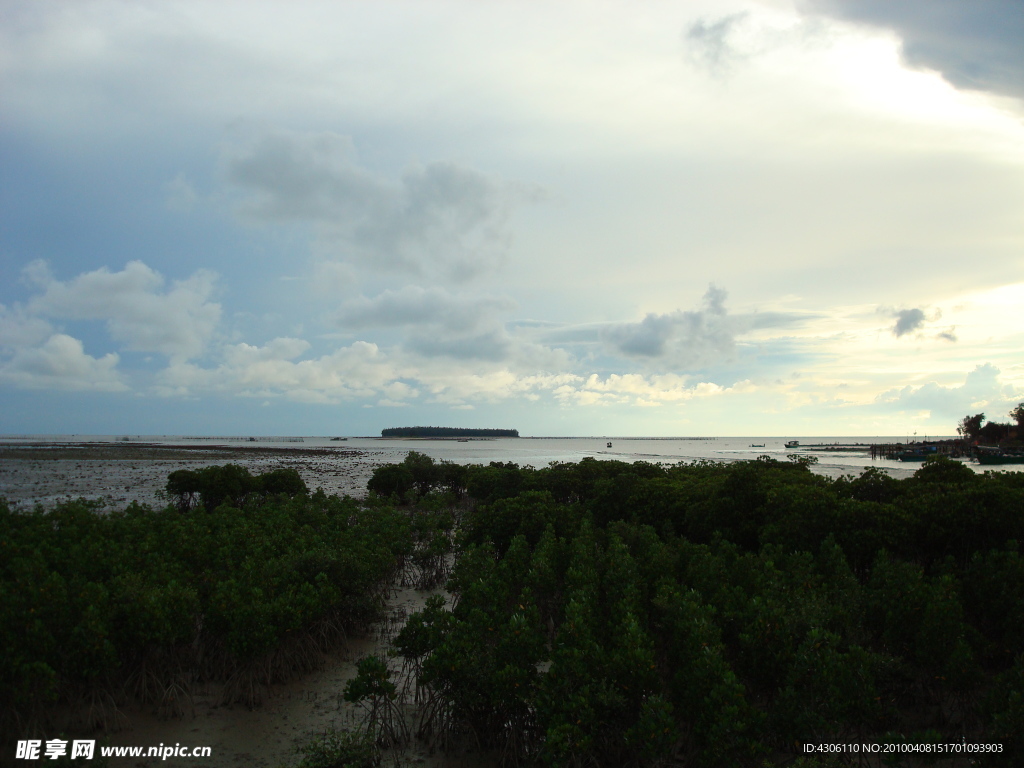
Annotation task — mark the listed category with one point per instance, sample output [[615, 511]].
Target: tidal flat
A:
[[122, 473]]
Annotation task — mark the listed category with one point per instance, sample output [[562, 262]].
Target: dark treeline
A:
[[975, 428], [706, 614], [447, 432], [231, 483]]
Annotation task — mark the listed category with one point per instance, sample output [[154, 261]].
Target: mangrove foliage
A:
[[244, 581], [612, 614]]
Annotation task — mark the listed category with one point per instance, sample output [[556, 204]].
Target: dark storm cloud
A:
[[975, 44], [437, 218]]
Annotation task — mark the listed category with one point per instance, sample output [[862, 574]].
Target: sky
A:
[[700, 217]]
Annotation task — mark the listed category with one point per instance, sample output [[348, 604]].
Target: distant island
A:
[[446, 432]]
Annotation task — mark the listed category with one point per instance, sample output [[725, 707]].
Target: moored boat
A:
[[911, 456], [1000, 458], [793, 444]]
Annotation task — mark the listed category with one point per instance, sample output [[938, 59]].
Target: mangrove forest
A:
[[598, 613]]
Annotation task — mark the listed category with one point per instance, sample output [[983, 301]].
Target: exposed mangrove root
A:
[[374, 692], [164, 679], [176, 695], [436, 722], [97, 710]]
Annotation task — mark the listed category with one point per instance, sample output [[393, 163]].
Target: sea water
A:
[[836, 455]]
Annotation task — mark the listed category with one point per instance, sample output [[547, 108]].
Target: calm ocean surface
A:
[[541, 451]]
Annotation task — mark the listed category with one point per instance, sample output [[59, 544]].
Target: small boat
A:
[[757, 445], [911, 456], [608, 446], [1000, 458], [793, 444]]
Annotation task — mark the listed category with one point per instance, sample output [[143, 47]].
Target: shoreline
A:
[[47, 471]]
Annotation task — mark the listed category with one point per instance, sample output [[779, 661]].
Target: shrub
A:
[[340, 749]]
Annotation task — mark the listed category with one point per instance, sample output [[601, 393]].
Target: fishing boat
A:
[[793, 444], [1000, 458], [911, 456]]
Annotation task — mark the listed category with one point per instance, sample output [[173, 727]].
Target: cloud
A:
[[135, 305], [283, 348], [907, 321], [454, 387], [414, 306], [982, 388], [437, 219], [19, 328], [913, 321], [682, 338], [975, 44], [493, 345], [644, 391], [707, 42], [180, 194], [438, 323], [359, 370], [679, 340], [62, 364]]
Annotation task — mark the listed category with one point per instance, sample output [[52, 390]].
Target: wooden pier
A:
[[954, 449]]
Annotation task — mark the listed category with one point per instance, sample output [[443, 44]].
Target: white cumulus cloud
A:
[[61, 363], [139, 310]]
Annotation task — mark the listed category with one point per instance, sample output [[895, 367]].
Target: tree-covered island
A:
[[447, 432]]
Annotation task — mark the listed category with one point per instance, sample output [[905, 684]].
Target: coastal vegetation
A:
[[231, 483], [606, 613], [975, 428], [447, 432], [596, 613], [103, 608]]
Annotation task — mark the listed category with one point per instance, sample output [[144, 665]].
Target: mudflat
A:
[[45, 473]]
